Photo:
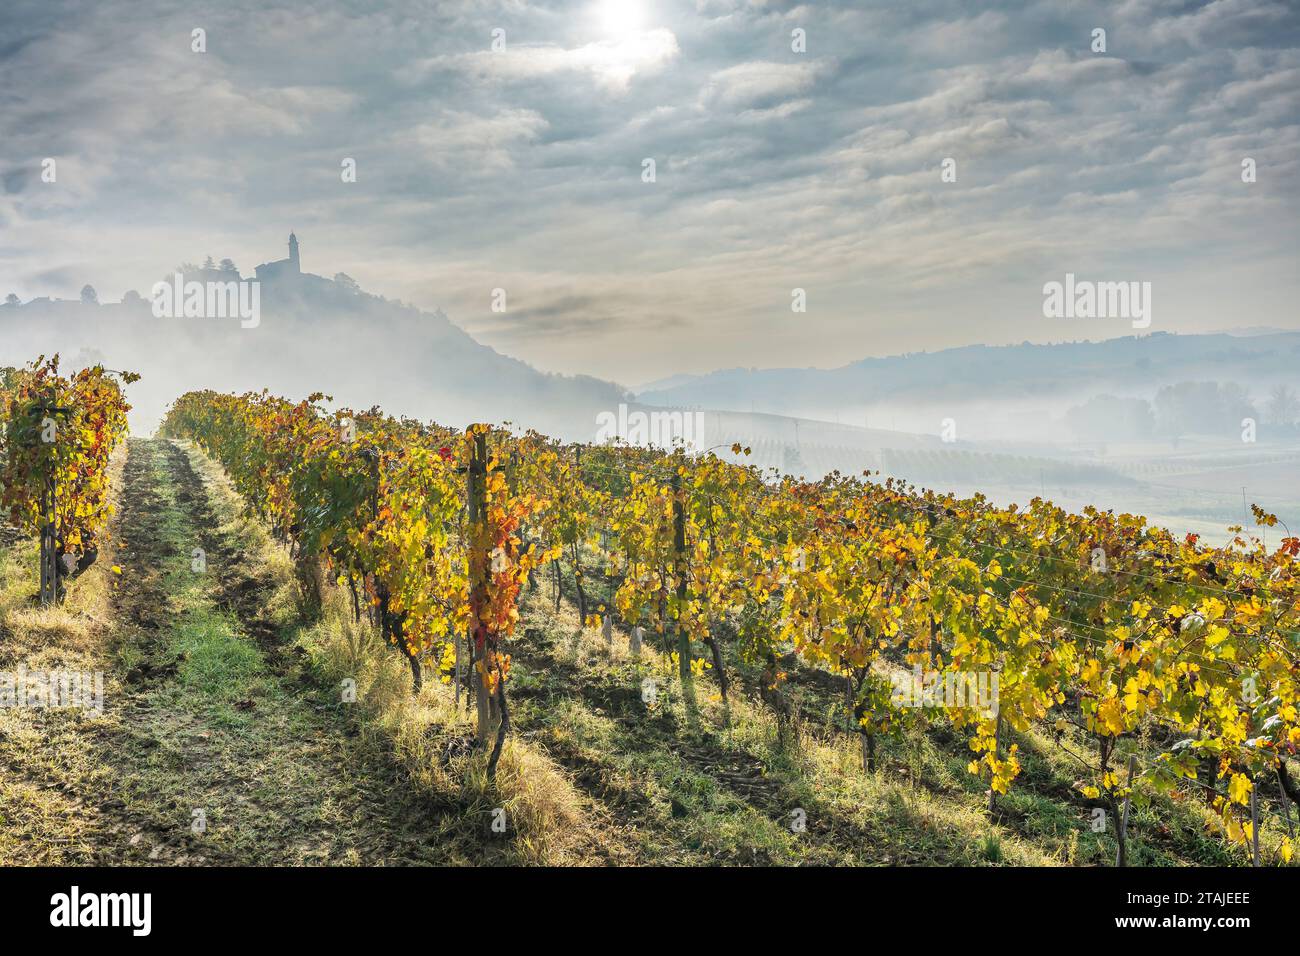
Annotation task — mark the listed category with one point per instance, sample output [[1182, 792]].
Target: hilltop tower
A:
[[282, 269]]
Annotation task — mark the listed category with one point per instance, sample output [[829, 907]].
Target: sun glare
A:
[[618, 18]]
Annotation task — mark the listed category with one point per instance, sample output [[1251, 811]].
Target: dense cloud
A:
[[522, 169]]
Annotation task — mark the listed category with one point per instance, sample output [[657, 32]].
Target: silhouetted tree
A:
[[88, 295], [1202, 408], [1108, 418], [228, 265], [12, 299]]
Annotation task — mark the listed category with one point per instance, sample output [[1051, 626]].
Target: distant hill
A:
[[1246, 330], [421, 364], [1129, 365], [404, 359]]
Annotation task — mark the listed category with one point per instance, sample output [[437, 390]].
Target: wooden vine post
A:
[[1121, 832], [49, 557], [1254, 827], [997, 755], [1286, 808], [49, 591], [680, 568], [477, 498], [577, 552]]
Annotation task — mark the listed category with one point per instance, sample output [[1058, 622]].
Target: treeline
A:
[[1187, 408]]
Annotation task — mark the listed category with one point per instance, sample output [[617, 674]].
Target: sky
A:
[[522, 168]]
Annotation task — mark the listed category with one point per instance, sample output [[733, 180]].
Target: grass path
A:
[[200, 726]]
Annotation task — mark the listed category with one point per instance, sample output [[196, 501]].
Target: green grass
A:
[[218, 663]]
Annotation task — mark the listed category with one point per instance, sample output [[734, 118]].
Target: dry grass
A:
[[548, 821], [429, 736], [51, 764]]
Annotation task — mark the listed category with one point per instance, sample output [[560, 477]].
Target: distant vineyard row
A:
[[928, 464]]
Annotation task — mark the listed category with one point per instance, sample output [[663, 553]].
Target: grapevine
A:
[[1095, 622]]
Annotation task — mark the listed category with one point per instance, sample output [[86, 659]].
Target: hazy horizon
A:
[[639, 386]]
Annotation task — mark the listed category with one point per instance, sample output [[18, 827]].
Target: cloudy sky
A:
[[521, 169]]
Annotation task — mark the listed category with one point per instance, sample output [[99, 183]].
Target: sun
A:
[[619, 18]]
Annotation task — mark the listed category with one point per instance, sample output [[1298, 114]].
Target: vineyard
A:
[[1154, 662], [57, 436], [1162, 669]]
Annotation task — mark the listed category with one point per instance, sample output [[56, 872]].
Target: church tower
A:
[[282, 268]]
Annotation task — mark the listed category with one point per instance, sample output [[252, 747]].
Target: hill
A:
[[398, 355], [1011, 373]]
